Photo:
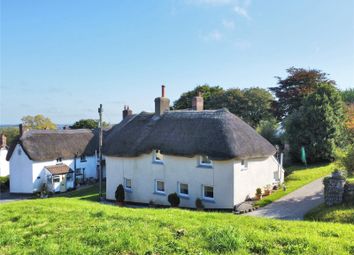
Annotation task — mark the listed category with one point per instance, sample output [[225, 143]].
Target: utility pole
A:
[[100, 111]]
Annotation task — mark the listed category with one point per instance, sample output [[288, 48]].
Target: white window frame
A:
[[54, 177], [159, 191], [244, 164], [203, 193], [83, 158], [179, 189], [125, 184], [201, 163], [155, 159]]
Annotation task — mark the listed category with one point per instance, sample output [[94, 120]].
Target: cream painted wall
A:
[[143, 173], [4, 164], [260, 172]]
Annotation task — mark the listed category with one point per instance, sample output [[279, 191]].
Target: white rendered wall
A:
[[4, 164], [20, 172], [143, 174], [260, 172]]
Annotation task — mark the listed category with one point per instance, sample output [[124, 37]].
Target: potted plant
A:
[[199, 204], [267, 190], [173, 199], [120, 195], [258, 193]]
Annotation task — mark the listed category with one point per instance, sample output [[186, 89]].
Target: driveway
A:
[[6, 197], [294, 205]]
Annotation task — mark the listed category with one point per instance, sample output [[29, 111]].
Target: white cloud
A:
[[228, 24], [213, 36], [241, 11]]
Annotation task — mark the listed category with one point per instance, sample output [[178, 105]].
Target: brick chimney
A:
[[20, 129], [126, 111], [162, 104], [3, 141], [198, 102]]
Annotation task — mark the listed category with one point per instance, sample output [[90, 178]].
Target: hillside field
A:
[[75, 226]]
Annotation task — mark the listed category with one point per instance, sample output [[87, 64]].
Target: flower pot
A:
[[258, 196]]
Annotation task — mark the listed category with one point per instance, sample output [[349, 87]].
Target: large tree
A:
[[88, 123], [291, 90], [317, 125], [37, 122], [11, 133], [348, 96]]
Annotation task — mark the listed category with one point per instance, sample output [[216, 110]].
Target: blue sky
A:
[[63, 58]]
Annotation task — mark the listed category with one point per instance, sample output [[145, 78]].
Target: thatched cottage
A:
[[54, 157], [4, 164], [208, 154]]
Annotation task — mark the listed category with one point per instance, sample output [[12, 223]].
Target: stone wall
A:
[[334, 188], [348, 196]]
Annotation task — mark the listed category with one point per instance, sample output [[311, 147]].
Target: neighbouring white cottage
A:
[[208, 154], [54, 157], [4, 164]]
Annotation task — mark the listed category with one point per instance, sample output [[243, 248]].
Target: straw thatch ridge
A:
[[216, 133]]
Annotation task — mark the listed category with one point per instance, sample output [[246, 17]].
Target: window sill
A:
[[160, 193], [244, 169], [208, 200], [183, 196], [83, 161], [205, 166], [157, 162], [128, 190]]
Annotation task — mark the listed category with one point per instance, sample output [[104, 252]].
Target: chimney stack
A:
[[3, 141], [126, 112], [198, 102], [20, 129], [162, 104]]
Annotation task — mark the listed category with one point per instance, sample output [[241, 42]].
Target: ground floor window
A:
[[208, 192], [56, 178], [127, 183], [183, 189], [160, 186]]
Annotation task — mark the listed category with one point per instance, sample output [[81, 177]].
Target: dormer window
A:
[[244, 164], [83, 158], [158, 157], [205, 161]]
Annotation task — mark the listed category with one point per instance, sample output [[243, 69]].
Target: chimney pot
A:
[[126, 112], [162, 104], [163, 91]]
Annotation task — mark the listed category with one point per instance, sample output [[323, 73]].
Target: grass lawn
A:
[[339, 213], [85, 193], [299, 177], [74, 225]]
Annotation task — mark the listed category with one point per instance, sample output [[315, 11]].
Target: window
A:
[[160, 186], [127, 183], [244, 164], [83, 158], [56, 178], [183, 189], [205, 161], [19, 151], [59, 160], [69, 176], [158, 157], [208, 192], [78, 171]]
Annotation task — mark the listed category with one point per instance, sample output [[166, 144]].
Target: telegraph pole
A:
[[100, 111]]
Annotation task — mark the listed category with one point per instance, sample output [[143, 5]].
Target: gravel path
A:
[[294, 205]]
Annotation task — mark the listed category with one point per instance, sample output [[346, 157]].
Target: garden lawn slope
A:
[[339, 213], [300, 176], [74, 226]]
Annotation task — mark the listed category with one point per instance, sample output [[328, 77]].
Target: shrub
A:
[[4, 183], [199, 204], [258, 191], [348, 161], [120, 194], [173, 199]]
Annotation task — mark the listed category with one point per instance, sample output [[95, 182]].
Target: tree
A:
[[268, 129], [185, 100], [37, 122], [317, 125], [11, 134], [88, 123], [291, 91], [348, 96]]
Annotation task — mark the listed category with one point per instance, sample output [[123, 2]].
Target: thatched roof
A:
[[44, 145], [216, 133], [59, 169]]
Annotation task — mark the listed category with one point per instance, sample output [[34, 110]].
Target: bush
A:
[[199, 204], [258, 191], [348, 161], [4, 183], [173, 199], [120, 194]]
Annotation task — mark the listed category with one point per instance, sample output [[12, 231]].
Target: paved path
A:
[[294, 205], [6, 197]]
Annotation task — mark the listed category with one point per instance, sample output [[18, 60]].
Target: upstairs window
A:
[[59, 160], [83, 158], [160, 186], [158, 156], [244, 164], [205, 161], [19, 151], [208, 192]]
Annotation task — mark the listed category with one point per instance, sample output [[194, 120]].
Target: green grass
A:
[[85, 193], [74, 226], [340, 213], [299, 177]]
